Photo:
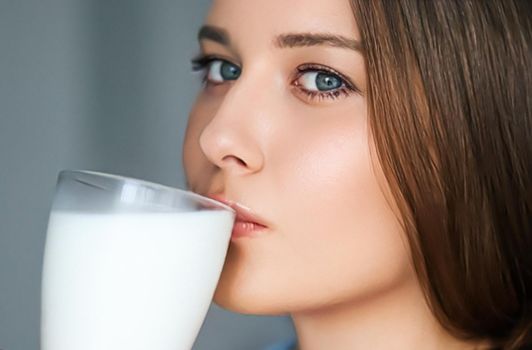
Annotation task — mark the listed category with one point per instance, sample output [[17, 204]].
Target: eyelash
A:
[[202, 62]]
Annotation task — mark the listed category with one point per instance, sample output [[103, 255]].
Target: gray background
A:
[[94, 84]]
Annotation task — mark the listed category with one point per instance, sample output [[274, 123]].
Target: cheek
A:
[[326, 173], [348, 238]]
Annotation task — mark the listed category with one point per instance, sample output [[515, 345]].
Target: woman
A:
[[379, 156]]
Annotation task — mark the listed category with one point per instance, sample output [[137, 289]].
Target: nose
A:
[[232, 140]]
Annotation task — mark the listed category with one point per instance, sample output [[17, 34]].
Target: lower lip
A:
[[246, 229]]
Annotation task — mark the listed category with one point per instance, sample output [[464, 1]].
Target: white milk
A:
[[130, 281]]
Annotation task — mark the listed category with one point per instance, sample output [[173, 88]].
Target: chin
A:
[[240, 300], [248, 297]]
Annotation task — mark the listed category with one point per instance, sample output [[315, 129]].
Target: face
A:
[[280, 126]]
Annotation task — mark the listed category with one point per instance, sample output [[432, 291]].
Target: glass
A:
[[129, 264]]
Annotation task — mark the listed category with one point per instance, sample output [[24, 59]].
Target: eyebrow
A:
[[215, 34], [289, 40]]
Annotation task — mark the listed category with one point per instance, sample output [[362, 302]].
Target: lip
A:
[[247, 223]]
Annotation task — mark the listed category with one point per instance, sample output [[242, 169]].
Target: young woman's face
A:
[[281, 128]]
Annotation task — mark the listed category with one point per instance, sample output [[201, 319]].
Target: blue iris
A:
[[229, 71], [325, 82]]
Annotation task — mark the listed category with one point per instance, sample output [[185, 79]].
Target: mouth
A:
[[247, 223]]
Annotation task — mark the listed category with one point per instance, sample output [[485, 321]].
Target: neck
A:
[[397, 319]]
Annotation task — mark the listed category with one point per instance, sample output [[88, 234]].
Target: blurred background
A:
[[104, 85]]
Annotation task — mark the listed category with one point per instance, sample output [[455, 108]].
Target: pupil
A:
[[229, 71], [327, 82]]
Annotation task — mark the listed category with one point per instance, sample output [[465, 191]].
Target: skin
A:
[[334, 255]]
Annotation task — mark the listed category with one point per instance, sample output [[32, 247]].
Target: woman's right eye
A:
[[215, 70]]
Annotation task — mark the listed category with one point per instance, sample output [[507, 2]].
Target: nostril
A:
[[235, 160]]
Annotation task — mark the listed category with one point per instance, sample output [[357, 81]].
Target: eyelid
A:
[[201, 60]]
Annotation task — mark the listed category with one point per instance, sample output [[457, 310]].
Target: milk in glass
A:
[[132, 281]]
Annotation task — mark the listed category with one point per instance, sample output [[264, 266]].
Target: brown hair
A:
[[449, 99]]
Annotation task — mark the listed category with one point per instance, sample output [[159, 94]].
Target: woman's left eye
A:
[[319, 82]]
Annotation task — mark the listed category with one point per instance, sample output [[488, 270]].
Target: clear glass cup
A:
[[129, 264]]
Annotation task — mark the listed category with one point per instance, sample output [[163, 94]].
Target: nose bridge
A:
[[232, 138], [247, 93]]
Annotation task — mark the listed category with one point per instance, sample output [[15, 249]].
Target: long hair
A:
[[450, 108]]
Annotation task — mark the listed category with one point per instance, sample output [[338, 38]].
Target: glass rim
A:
[[70, 173]]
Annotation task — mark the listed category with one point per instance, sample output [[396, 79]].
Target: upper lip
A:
[[243, 213]]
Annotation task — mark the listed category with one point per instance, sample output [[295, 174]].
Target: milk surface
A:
[[130, 281]]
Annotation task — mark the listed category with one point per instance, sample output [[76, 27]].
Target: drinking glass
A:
[[129, 264]]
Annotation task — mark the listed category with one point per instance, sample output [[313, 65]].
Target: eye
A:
[[319, 81], [220, 71], [216, 70]]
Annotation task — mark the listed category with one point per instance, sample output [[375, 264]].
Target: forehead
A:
[[261, 20]]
